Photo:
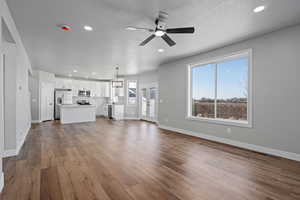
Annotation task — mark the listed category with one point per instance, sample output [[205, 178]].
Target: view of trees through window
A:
[[220, 90]]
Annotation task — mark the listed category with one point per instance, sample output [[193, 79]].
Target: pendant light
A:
[[116, 83]]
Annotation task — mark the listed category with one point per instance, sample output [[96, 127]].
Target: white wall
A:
[[276, 93], [148, 77], [1, 108], [23, 66], [10, 96], [34, 91]]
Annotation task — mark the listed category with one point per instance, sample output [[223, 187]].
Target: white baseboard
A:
[[20, 142], [261, 149], [131, 118], [1, 181], [35, 121], [9, 153]]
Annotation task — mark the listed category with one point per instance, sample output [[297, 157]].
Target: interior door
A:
[[149, 103], [47, 101]]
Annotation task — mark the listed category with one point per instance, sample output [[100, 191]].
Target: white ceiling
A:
[[217, 23]]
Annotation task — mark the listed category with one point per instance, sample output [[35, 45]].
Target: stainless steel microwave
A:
[[84, 93]]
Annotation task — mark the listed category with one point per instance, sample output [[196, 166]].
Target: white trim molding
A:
[[36, 121], [9, 153], [20, 142], [1, 181], [252, 147], [132, 118]]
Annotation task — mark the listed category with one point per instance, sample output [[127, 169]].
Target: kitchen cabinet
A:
[[118, 111], [63, 83], [97, 88], [105, 89]]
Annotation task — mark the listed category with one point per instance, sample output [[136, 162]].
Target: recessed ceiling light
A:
[[130, 28], [259, 9], [75, 71], [160, 50], [88, 28]]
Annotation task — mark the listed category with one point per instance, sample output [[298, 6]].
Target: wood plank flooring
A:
[[135, 160]]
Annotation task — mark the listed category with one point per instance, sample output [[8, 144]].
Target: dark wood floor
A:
[[135, 160]]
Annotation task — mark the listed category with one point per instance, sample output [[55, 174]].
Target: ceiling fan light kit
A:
[[161, 30]]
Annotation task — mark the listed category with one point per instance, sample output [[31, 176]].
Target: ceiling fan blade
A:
[[181, 30], [168, 40], [132, 28], [147, 40]]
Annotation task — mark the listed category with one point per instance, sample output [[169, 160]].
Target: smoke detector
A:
[[65, 27]]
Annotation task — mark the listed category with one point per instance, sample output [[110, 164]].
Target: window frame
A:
[[127, 93], [234, 55]]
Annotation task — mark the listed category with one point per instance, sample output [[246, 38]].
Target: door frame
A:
[[41, 99], [148, 86], [1, 109]]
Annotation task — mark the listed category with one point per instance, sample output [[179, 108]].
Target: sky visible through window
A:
[[232, 80]]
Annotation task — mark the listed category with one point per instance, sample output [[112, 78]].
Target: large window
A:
[[132, 92], [220, 90]]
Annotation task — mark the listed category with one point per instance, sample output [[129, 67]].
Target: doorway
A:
[[148, 105], [47, 101]]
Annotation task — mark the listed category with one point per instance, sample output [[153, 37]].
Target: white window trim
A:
[[127, 93], [249, 123]]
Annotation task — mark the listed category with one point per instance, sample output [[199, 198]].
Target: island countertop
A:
[[75, 113], [76, 106]]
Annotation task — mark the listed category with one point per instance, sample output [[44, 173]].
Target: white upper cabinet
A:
[[98, 89], [63, 83], [59, 83], [105, 89]]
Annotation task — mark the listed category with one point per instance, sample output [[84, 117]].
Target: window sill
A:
[[243, 124]]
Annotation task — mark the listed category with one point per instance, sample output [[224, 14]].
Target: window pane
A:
[[144, 102], [132, 92], [232, 89], [203, 91], [152, 100]]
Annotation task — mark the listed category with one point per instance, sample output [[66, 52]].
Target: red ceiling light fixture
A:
[[65, 27]]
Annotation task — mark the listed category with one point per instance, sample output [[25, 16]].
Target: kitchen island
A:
[[76, 113]]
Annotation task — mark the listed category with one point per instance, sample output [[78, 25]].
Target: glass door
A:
[[148, 103], [144, 104]]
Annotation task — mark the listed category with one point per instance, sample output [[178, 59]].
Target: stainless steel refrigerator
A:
[[61, 96]]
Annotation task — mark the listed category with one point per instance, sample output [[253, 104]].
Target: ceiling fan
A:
[[161, 31]]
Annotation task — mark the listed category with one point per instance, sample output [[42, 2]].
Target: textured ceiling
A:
[[217, 23]]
